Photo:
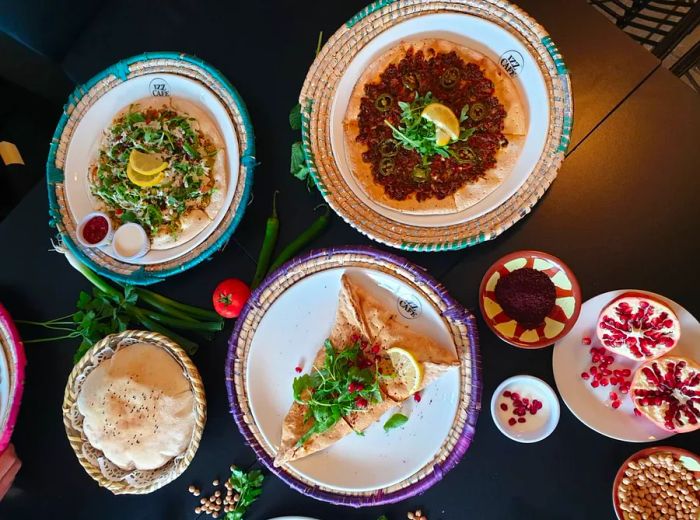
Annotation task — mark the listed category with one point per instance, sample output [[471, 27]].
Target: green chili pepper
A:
[[271, 231], [313, 231]]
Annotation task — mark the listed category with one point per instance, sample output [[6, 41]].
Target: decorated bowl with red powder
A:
[[529, 299]]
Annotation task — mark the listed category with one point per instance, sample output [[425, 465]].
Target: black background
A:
[[623, 213]]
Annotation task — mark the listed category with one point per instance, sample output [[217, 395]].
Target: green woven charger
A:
[[317, 99], [78, 105]]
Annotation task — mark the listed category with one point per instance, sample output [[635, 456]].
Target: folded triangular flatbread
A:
[[363, 317]]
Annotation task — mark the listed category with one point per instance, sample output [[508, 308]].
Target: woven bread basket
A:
[[78, 105], [107, 475], [317, 102]]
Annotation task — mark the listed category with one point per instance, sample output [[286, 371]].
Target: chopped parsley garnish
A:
[[346, 383], [417, 133], [188, 182]]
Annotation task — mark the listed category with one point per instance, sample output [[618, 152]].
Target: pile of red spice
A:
[[526, 295]]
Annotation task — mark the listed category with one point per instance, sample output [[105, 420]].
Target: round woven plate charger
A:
[[12, 366], [117, 480], [214, 87], [320, 117], [317, 267]]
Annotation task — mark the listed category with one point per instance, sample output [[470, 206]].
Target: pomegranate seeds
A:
[[616, 404], [417, 397], [297, 369], [637, 413], [602, 373], [521, 407], [586, 340], [584, 375]]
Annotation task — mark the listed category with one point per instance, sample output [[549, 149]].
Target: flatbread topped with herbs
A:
[[433, 127], [178, 199], [353, 381]]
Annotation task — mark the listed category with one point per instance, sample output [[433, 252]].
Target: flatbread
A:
[[195, 221], [138, 407], [515, 124], [361, 314]]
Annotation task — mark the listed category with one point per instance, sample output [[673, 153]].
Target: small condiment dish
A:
[[557, 323], [536, 426], [130, 241], [81, 227]]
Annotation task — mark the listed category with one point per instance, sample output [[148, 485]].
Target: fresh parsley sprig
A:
[[417, 133], [343, 385], [248, 485]]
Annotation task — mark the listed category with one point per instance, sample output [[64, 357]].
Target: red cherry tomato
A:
[[230, 297]]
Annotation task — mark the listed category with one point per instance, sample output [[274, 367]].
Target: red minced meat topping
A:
[[526, 295], [446, 175]]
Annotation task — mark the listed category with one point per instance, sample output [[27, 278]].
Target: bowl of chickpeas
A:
[[662, 482]]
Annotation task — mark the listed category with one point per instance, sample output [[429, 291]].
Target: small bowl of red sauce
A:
[[530, 299], [95, 229]]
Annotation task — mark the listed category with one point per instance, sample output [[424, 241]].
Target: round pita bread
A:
[[138, 407], [515, 128]]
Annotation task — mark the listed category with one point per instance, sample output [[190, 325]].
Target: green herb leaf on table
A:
[[248, 485], [338, 388], [395, 421], [295, 117]]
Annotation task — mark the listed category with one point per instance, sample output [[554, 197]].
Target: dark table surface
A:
[[623, 213]]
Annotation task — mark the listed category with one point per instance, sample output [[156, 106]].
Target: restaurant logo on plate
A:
[[159, 87], [409, 307], [513, 62]]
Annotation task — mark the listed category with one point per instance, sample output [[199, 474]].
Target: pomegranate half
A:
[[638, 327], [667, 391]]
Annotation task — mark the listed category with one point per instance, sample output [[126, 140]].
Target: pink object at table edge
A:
[[17, 363]]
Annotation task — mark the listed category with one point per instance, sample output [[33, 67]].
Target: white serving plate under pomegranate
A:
[[593, 406]]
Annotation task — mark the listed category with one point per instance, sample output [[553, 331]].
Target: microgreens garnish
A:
[[345, 383], [417, 133]]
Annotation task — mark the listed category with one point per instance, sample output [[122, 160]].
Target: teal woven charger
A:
[[384, 24], [165, 64]]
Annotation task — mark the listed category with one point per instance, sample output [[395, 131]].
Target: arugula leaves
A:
[[417, 133], [248, 485], [295, 117], [297, 162], [395, 421], [343, 385]]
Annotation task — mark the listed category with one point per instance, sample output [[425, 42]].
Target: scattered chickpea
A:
[[215, 482], [417, 515]]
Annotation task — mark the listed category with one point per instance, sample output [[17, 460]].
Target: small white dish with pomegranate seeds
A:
[[597, 383], [525, 408]]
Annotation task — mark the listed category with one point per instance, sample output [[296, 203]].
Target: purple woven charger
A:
[[461, 323]]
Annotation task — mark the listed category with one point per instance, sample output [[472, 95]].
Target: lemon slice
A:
[[445, 121], [146, 164], [145, 181], [407, 367]]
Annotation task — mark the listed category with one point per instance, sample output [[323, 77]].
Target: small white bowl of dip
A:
[[130, 241], [536, 426]]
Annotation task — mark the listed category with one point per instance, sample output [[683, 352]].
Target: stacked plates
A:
[[499, 30]]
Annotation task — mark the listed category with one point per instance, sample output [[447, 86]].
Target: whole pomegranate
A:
[[667, 391], [639, 327]]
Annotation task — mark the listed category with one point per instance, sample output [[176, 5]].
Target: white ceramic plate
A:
[[84, 145], [290, 334], [482, 36], [591, 405]]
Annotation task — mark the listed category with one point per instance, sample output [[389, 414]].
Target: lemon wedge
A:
[[146, 164], [445, 121], [145, 181], [407, 367]]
